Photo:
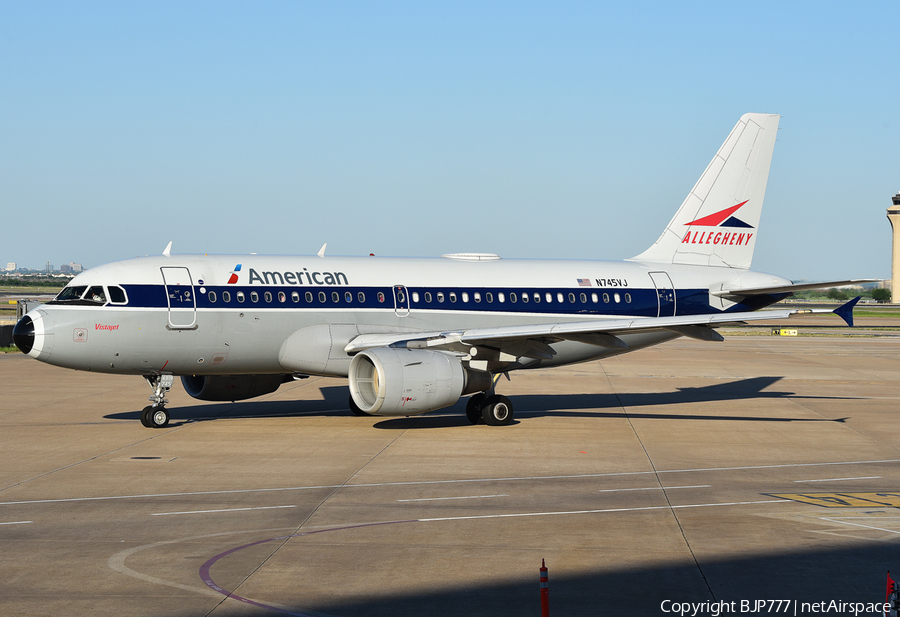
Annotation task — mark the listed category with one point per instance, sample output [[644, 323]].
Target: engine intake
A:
[[389, 381]]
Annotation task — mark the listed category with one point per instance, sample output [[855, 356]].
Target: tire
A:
[[159, 417], [497, 411], [473, 408], [355, 408], [145, 416]]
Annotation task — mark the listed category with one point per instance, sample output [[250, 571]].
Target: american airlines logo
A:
[[718, 220], [304, 277]]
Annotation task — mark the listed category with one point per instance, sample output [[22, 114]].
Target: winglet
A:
[[845, 311], [321, 252], [168, 250]]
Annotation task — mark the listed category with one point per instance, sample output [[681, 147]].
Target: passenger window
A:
[[605, 298], [226, 296], [477, 296], [452, 296], [415, 296], [537, 297], [512, 297], [335, 297], [465, 296], [254, 297], [268, 296], [440, 296], [428, 297], [282, 297], [549, 296], [322, 297], [559, 297], [348, 297], [295, 297], [240, 296], [380, 297], [584, 298], [117, 295], [212, 297], [361, 297], [594, 298], [308, 296], [628, 298], [490, 297], [525, 298], [617, 298], [96, 294], [572, 298]]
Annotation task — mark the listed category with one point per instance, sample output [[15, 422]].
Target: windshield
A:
[[72, 293]]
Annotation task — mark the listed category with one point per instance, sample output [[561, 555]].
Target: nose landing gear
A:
[[156, 415]]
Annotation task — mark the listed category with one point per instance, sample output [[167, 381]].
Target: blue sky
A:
[[556, 130]]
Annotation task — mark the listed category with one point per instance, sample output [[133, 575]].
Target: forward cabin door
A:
[[180, 297], [665, 294]]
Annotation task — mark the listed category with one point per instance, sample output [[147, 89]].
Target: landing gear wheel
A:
[[497, 411], [159, 417], [355, 408], [145, 416], [473, 408]]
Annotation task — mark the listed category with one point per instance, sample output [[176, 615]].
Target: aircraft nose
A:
[[23, 335]]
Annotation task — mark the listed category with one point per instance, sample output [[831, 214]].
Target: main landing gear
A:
[[493, 409], [156, 415]]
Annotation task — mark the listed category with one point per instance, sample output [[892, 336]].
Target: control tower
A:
[[893, 214]]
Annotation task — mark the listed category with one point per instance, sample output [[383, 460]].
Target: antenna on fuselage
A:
[[168, 250], [321, 252]]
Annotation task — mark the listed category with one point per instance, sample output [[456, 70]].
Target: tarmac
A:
[[760, 468]]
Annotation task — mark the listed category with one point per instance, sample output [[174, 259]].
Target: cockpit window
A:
[[96, 294], [72, 293], [117, 295]]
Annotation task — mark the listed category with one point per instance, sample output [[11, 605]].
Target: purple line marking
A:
[[207, 578]]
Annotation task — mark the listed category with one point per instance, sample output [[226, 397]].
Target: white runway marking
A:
[[842, 522], [694, 505], [228, 510], [651, 488], [433, 482], [16, 523], [446, 498], [836, 479]]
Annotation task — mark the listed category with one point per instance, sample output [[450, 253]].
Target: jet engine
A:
[[387, 381], [230, 387]]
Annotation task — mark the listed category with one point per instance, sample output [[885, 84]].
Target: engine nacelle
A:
[[388, 381], [230, 387]]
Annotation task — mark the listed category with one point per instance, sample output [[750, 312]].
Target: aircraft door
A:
[[665, 294], [180, 298], [401, 301]]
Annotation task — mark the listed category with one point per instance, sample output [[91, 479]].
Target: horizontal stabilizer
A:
[[780, 289]]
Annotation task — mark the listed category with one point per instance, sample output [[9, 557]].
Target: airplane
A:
[[414, 335]]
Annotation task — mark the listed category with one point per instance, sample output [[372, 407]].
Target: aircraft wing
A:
[[534, 340]]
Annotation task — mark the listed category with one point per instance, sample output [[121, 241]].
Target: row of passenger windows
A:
[[523, 297], [439, 296]]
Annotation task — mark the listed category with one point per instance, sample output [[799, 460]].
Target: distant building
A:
[[11, 266], [65, 269], [893, 214]]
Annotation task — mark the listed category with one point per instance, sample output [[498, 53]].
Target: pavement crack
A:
[[659, 482]]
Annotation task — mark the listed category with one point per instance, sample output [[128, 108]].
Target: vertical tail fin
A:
[[717, 223]]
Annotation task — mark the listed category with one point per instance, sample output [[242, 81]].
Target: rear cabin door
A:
[[180, 297], [665, 293]]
